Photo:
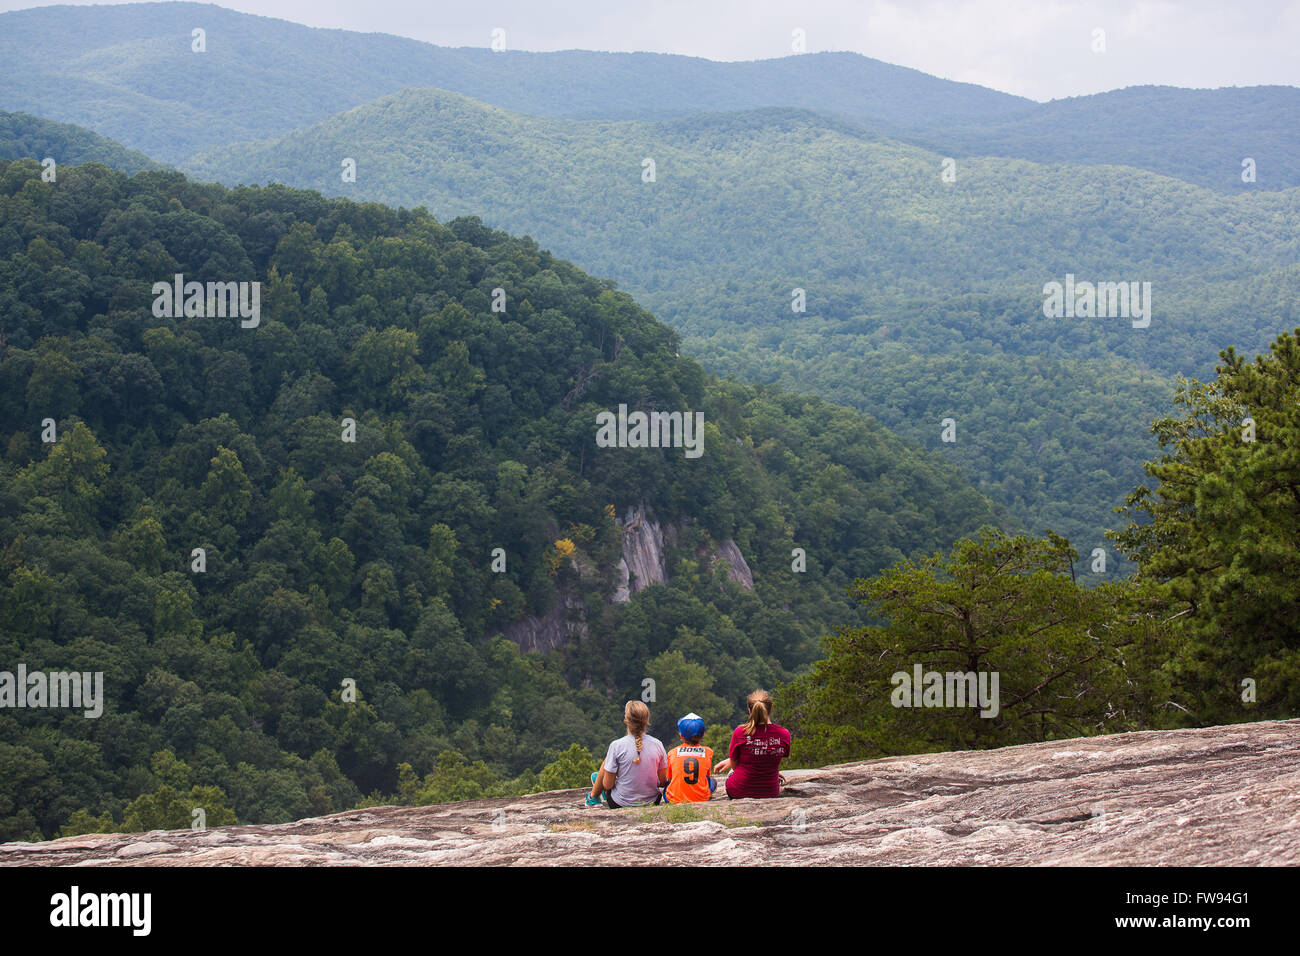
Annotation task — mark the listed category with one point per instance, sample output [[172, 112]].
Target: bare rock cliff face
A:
[[643, 562], [1221, 795], [737, 568], [563, 623]]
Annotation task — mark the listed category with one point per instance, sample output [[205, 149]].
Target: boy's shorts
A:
[[713, 786]]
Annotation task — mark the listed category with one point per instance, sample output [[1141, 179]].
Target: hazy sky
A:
[[1036, 48]]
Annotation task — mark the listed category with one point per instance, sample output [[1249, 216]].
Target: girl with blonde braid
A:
[[635, 767]]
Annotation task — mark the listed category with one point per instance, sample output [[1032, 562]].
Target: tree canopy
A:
[[278, 543]]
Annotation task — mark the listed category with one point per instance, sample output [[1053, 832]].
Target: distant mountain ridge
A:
[[1205, 136], [128, 71], [919, 292]]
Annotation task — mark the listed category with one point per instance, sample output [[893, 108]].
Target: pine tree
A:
[[1218, 534]]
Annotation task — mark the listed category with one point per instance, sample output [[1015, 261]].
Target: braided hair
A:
[[637, 717]]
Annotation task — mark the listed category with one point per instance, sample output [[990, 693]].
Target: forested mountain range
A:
[[397, 461], [924, 297], [347, 462], [128, 71], [826, 174]]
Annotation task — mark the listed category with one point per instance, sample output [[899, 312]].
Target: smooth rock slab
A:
[[1216, 796]]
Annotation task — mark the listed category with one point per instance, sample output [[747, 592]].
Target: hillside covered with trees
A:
[[23, 136], [340, 628], [318, 480]]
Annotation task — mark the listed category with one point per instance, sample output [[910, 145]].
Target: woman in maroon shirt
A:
[[757, 749]]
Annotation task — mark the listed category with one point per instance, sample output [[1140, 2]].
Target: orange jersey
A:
[[688, 773]]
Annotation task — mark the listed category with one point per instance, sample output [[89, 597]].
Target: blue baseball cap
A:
[[692, 725]]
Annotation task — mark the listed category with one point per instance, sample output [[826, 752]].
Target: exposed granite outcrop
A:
[[564, 622], [737, 568], [643, 563], [1220, 795]]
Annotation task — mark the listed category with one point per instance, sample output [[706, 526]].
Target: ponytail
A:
[[637, 717], [760, 711]]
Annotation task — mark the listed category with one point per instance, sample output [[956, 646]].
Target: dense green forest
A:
[[1070, 660], [923, 297], [1216, 526], [130, 440], [1205, 633]]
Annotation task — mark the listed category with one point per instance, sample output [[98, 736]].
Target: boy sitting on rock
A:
[[689, 764]]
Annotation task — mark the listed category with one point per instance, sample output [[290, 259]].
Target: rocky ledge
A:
[[1220, 795]]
